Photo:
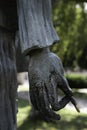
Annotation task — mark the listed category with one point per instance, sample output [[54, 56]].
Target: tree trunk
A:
[[8, 82]]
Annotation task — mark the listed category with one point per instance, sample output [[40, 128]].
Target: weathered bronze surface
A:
[[45, 70], [8, 82], [46, 76]]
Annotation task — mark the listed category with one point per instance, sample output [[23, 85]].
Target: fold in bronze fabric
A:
[[22, 62], [35, 24], [8, 82]]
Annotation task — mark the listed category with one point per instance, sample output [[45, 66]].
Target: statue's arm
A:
[[35, 25]]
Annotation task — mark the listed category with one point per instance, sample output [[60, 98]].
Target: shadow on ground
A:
[[77, 123]]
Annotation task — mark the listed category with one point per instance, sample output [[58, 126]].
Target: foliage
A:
[[70, 120], [77, 80], [70, 23]]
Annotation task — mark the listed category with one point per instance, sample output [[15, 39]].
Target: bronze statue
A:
[[45, 68]]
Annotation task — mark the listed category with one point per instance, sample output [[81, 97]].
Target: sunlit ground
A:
[[70, 120]]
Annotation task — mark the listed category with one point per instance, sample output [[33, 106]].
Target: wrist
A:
[[39, 51]]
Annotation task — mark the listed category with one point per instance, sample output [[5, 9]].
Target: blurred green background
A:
[[70, 21]]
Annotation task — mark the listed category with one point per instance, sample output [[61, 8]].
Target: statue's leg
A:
[[8, 82]]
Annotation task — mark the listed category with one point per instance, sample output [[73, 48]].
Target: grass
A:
[[70, 120], [23, 111]]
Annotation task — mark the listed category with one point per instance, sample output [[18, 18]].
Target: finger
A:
[[57, 105], [40, 102], [63, 85], [43, 99], [35, 93], [67, 90], [74, 103], [33, 98], [52, 93], [63, 102], [45, 106], [54, 102]]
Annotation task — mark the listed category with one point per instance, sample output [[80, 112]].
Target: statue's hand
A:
[[46, 76]]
